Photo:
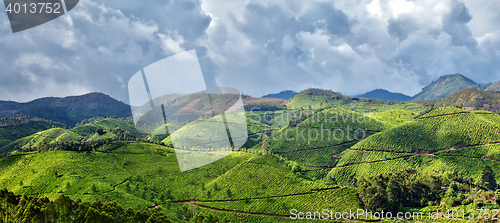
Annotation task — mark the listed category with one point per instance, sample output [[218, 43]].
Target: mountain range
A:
[[440, 88], [68, 110], [73, 109]]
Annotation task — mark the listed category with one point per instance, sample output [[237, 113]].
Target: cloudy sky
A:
[[257, 47]]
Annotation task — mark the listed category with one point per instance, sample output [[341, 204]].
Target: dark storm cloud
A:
[[401, 27], [257, 47], [97, 48], [455, 24]]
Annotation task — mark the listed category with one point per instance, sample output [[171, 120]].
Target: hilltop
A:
[[318, 98], [283, 95], [385, 95], [494, 87], [446, 85], [92, 133]]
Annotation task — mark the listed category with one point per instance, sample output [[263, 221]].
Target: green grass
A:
[[444, 139], [89, 129]]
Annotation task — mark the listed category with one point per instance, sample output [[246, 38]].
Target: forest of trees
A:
[[406, 188], [40, 210]]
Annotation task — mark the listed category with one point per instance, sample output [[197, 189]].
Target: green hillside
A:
[[317, 98], [439, 129], [393, 117], [444, 86], [446, 138], [94, 130], [12, 129], [315, 139], [325, 151], [140, 175]]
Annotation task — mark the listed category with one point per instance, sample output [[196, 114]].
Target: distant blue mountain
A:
[[283, 95], [385, 95]]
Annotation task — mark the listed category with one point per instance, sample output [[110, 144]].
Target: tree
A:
[[488, 178], [100, 131], [265, 146]]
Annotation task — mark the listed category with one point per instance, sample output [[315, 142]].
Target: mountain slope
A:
[[444, 86], [446, 138], [140, 175], [318, 98], [110, 129], [494, 87], [283, 95], [316, 138], [12, 129], [467, 98], [68, 110], [385, 95]]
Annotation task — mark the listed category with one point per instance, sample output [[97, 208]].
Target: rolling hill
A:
[[314, 139], [318, 98], [139, 175], [12, 129], [111, 129], [445, 138], [385, 95]]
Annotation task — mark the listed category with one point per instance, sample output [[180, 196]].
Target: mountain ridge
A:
[[287, 94], [383, 94], [67, 110], [444, 86]]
